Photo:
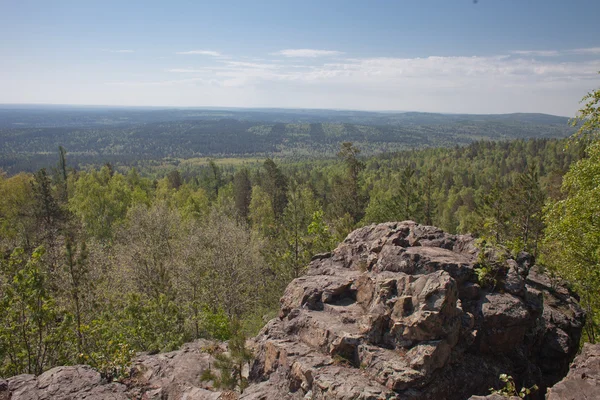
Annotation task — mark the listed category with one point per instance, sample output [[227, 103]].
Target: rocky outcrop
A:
[[62, 383], [398, 311], [174, 375], [583, 379]]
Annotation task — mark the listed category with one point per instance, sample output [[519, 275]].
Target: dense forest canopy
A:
[[99, 263], [135, 137]]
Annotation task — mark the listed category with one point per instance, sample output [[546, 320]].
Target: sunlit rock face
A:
[[583, 379], [398, 311]]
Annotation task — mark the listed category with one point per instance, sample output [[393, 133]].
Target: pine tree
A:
[[242, 192], [348, 198], [275, 185]]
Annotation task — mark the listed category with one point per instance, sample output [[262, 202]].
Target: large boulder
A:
[[398, 311]]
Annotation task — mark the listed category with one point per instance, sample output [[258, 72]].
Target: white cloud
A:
[[308, 53], [476, 84], [118, 51], [243, 64], [172, 82], [589, 50], [201, 53], [390, 74], [537, 53], [554, 53], [186, 70]]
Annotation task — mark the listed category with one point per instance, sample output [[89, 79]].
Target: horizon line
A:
[[164, 107]]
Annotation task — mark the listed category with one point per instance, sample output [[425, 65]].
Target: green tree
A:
[[429, 207], [407, 202], [274, 183], [79, 283], [47, 210], [573, 234], [215, 177], [62, 169], [174, 179], [33, 329], [572, 244], [230, 365], [494, 213], [150, 245], [320, 237], [17, 220], [526, 203], [242, 192], [260, 212], [588, 117], [347, 195], [297, 216], [101, 201]]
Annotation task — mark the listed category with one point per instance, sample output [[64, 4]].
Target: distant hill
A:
[[62, 116], [30, 135]]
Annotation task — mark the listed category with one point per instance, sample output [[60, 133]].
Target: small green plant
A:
[[510, 389], [341, 361], [490, 262], [230, 365], [113, 363], [106, 349], [486, 276], [215, 324]]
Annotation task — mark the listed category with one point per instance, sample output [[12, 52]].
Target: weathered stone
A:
[[399, 304], [583, 379], [65, 383], [172, 376]]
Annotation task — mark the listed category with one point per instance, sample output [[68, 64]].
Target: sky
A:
[[451, 56]]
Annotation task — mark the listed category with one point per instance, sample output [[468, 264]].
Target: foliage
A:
[[33, 330], [510, 389], [572, 241], [28, 139], [107, 349], [101, 201], [216, 324], [141, 260], [229, 366], [490, 262], [588, 117], [573, 235]]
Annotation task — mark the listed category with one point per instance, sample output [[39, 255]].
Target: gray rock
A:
[[396, 310], [65, 383], [170, 376], [583, 379]]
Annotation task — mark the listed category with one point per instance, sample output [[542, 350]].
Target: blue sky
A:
[[494, 56]]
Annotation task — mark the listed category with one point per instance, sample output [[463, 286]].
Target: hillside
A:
[[30, 136]]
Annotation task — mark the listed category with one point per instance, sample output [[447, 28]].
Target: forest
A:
[[103, 262], [130, 137]]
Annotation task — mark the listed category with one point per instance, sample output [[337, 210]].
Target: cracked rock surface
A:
[[397, 311]]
